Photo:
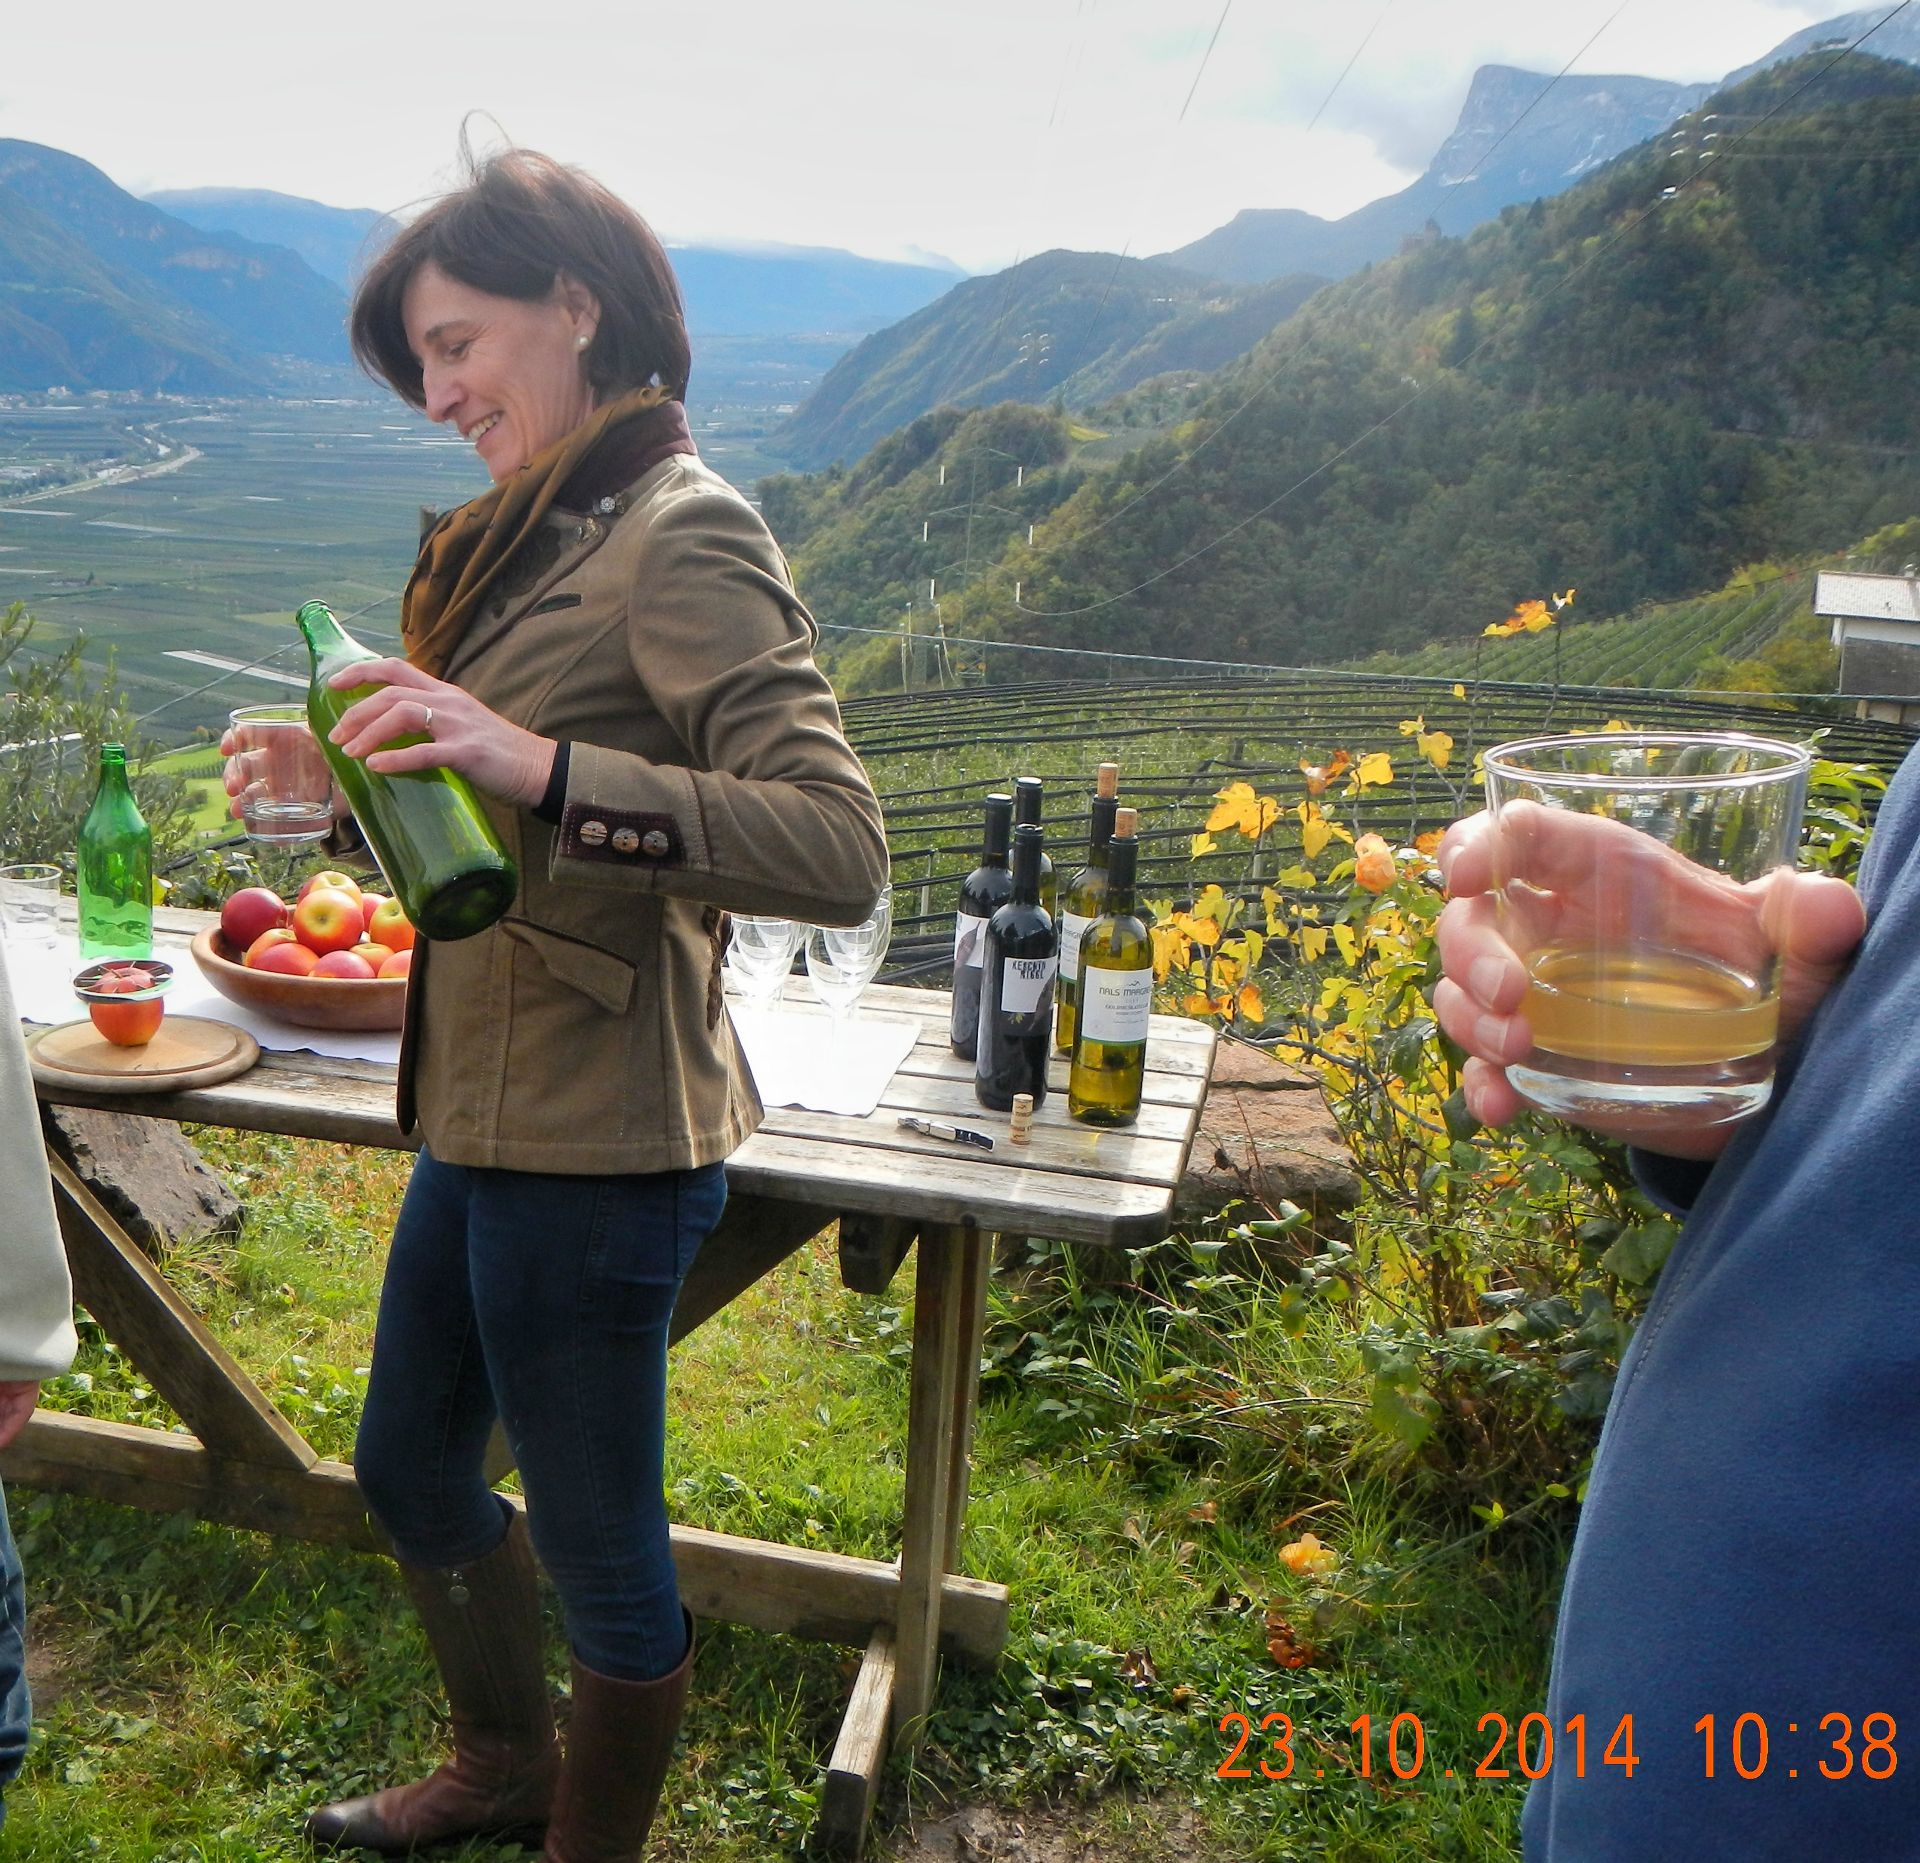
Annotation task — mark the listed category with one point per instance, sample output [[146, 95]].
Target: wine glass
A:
[[760, 956], [843, 959]]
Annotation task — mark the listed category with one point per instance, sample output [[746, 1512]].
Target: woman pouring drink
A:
[[608, 646]]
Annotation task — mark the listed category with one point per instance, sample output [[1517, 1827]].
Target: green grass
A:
[[213, 1683]]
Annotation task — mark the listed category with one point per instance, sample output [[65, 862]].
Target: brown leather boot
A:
[[619, 1745], [483, 1621]]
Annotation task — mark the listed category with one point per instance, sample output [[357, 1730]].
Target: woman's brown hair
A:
[[521, 220]]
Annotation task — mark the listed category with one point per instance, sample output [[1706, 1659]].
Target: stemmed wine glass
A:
[[843, 959], [760, 957]]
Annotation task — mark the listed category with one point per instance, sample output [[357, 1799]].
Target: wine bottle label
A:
[[1024, 983], [1115, 1004], [1072, 929], [969, 941]]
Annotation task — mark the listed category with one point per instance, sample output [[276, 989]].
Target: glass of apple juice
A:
[[1631, 871]]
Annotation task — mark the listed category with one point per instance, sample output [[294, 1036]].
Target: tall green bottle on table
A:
[[1107, 1077], [427, 829], [1081, 901], [114, 867]]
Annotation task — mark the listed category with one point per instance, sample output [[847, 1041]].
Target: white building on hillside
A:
[[1876, 626]]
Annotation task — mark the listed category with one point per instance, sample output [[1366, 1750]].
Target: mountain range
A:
[[1521, 136], [1668, 371]]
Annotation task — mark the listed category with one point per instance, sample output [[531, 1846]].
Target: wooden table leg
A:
[[949, 1310]]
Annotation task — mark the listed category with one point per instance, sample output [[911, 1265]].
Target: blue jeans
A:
[[545, 1301], [15, 1706]]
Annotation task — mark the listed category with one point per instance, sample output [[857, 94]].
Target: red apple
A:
[[391, 927], [251, 911], [370, 903], [327, 919], [344, 964], [398, 964], [288, 956], [339, 882], [127, 1025], [273, 935], [375, 954]]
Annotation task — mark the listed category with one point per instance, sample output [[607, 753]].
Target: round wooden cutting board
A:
[[188, 1051]]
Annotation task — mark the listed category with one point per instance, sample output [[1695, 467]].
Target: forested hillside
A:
[[1679, 366], [1073, 325]]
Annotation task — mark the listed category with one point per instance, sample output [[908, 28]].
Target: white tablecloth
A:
[[42, 979]]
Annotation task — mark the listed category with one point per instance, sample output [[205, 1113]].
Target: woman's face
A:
[[511, 375]]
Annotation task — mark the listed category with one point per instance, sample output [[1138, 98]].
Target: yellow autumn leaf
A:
[[1297, 876], [1252, 1005], [1238, 807], [1499, 627], [1313, 942], [1203, 843], [1412, 727], [1349, 942], [1616, 724], [1436, 747], [1171, 947], [1232, 803], [1375, 767], [1535, 617], [1459, 692]]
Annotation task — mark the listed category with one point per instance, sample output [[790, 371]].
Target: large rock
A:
[[1265, 1134], [146, 1172]]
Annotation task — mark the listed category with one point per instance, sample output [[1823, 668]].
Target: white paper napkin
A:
[[798, 1060]]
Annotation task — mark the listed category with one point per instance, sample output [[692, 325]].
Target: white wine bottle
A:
[[982, 893], [1080, 900], [1108, 1074]]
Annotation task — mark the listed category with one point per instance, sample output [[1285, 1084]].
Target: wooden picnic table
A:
[[245, 1465]]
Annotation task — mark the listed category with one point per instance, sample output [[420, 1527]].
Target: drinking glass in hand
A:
[[286, 797], [1629, 870], [760, 957]]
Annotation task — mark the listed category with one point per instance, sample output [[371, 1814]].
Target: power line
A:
[[1393, 414], [1346, 68]]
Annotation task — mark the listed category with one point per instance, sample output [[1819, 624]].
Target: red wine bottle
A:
[[1016, 987], [982, 893]]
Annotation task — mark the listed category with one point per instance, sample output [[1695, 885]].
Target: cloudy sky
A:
[[983, 130]]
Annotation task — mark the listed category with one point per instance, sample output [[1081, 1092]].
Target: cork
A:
[[1124, 821], [1022, 1118], [1107, 780]]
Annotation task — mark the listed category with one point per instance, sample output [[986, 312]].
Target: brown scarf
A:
[[466, 551]]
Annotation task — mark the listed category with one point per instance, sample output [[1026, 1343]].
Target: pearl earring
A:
[[581, 342]]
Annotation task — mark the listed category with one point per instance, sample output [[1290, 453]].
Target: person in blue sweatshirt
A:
[[1749, 1536]]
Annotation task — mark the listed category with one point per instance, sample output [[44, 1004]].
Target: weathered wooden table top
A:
[[1073, 1183]]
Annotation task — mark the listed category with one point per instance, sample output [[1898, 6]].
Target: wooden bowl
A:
[[312, 1002]]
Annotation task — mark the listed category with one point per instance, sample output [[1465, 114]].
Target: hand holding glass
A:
[[284, 786], [1629, 871]]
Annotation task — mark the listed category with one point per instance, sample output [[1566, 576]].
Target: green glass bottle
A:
[[114, 867], [1080, 900], [1028, 795], [427, 829], [1107, 1077]]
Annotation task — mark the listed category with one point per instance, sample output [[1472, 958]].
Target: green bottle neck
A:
[[327, 641], [1122, 856], [113, 771]]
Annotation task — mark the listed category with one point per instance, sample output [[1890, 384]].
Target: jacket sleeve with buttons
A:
[[36, 1297], [772, 813]]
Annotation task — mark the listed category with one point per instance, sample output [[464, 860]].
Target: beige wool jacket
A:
[[36, 1298], [659, 633]]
